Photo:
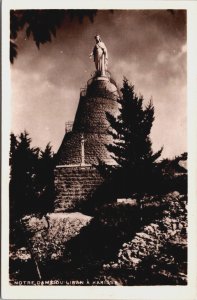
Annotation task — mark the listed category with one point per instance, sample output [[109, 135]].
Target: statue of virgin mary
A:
[[100, 56]]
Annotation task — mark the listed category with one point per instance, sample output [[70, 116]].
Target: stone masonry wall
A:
[[92, 122], [94, 148], [74, 185], [91, 114]]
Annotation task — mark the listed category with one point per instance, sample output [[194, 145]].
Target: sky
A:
[[148, 47]]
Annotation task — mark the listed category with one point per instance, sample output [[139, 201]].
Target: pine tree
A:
[[13, 145], [12, 159], [23, 170], [31, 177], [46, 179], [132, 146]]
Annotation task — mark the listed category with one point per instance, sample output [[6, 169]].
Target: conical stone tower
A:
[[76, 177]]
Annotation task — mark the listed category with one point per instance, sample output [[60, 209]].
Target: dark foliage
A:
[[13, 51], [21, 269], [100, 241], [163, 271], [23, 163], [173, 174], [131, 130], [42, 24], [105, 193], [136, 168], [31, 177], [45, 180]]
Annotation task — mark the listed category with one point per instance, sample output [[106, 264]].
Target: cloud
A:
[[184, 48], [147, 46]]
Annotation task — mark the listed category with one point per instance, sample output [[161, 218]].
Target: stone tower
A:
[[76, 177]]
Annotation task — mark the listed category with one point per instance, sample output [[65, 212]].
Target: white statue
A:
[[100, 56]]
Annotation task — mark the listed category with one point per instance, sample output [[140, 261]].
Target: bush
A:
[[158, 253]]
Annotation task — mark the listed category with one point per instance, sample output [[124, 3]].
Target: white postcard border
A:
[[134, 292]]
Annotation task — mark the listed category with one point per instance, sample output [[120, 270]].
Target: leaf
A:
[[13, 51]]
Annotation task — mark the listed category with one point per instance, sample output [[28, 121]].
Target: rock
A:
[[135, 260], [144, 235], [130, 201], [23, 254], [175, 194], [48, 242]]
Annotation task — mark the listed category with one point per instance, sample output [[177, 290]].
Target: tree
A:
[[31, 177], [23, 168], [41, 24], [13, 147], [132, 146], [45, 179], [174, 173]]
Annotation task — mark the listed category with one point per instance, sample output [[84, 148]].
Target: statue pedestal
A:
[[102, 78]]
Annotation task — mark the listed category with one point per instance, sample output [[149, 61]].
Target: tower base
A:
[[74, 185]]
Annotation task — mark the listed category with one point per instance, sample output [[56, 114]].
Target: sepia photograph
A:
[[98, 147]]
